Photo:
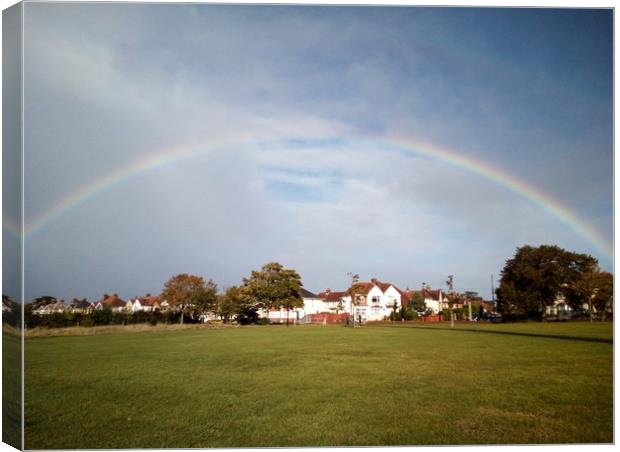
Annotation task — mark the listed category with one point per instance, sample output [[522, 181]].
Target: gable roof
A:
[[307, 294], [364, 287], [80, 304], [112, 301], [149, 300], [328, 295], [386, 285], [432, 294]]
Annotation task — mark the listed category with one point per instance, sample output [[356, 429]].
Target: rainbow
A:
[[451, 157]]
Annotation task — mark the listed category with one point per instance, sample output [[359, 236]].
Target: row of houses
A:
[[375, 301], [146, 303]]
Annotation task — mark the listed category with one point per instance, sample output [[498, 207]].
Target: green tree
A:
[[592, 288], [204, 299], [603, 299], [356, 291], [416, 302], [180, 290], [229, 303], [452, 298], [274, 286], [536, 276], [472, 296]]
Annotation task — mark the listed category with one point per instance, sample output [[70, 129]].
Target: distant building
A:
[[112, 302], [375, 301]]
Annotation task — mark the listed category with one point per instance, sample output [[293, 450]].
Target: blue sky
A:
[[292, 95]]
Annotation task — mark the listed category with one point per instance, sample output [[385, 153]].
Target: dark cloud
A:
[[283, 102]]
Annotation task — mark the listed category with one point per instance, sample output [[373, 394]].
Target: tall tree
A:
[[181, 290], [603, 299], [274, 286], [229, 304], [204, 299], [416, 302], [452, 298], [356, 292], [536, 276], [592, 288]]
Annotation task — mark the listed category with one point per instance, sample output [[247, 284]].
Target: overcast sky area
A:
[[292, 112]]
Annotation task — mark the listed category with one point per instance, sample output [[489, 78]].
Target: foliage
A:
[[472, 295], [97, 318], [404, 313], [13, 315], [356, 292], [229, 303], [536, 276], [273, 287], [594, 289], [204, 299], [416, 302], [180, 289]]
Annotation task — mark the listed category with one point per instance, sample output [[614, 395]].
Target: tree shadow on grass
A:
[[511, 333]]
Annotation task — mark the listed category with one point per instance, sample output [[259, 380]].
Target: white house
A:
[[51, 308], [434, 299], [375, 300], [313, 304]]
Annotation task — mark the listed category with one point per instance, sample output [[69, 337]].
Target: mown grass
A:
[[317, 386], [11, 387]]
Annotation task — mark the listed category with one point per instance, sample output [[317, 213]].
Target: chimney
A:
[[375, 281]]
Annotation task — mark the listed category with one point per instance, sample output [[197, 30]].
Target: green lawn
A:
[[11, 387], [319, 386]]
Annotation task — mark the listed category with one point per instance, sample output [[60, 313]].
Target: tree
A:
[[204, 299], [472, 296], [452, 298], [229, 303], [416, 302], [181, 289], [592, 288], [273, 286], [604, 296], [356, 292], [536, 276]]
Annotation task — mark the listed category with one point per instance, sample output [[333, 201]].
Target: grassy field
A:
[[317, 386], [11, 387]]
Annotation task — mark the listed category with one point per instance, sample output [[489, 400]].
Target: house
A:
[[51, 308], [312, 304], [113, 302], [79, 306], [434, 300], [375, 300], [332, 301], [146, 303], [562, 309]]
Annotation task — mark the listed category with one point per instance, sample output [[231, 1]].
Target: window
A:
[[376, 299]]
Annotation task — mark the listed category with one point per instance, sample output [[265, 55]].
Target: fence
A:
[[431, 318], [324, 318]]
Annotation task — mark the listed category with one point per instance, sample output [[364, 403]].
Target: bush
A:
[[395, 316], [409, 314]]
